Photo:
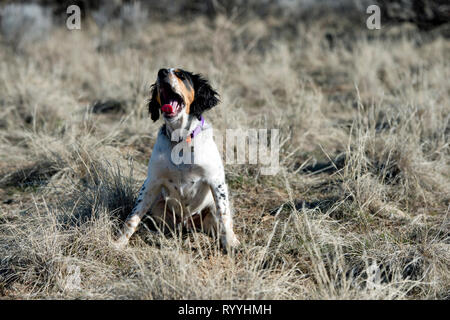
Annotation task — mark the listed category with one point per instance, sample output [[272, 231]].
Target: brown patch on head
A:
[[188, 94], [185, 87]]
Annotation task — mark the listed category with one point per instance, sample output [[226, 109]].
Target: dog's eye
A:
[[180, 75]]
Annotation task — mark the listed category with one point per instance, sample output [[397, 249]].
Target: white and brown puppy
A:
[[191, 193]]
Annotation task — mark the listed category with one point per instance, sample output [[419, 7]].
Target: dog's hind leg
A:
[[164, 215], [203, 221]]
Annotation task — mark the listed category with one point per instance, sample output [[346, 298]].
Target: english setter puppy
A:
[[192, 192]]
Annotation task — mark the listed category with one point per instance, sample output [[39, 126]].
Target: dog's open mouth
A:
[[171, 102]]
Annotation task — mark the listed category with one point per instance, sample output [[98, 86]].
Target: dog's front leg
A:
[[223, 214], [147, 196]]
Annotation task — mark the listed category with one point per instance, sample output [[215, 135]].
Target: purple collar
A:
[[197, 130]]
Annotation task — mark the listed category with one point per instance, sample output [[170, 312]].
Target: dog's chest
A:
[[185, 181], [187, 187]]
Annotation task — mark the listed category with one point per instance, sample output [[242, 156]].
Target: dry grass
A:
[[358, 211]]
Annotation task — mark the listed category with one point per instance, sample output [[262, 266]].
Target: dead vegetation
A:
[[359, 209]]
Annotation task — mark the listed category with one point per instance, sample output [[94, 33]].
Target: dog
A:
[[191, 194]]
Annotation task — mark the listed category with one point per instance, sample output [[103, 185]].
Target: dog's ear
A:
[[153, 105], [205, 96]]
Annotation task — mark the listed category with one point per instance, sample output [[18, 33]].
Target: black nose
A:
[[162, 73]]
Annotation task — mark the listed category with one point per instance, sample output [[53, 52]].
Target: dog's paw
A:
[[230, 242], [234, 243], [120, 243]]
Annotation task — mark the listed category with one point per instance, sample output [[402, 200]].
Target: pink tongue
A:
[[167, 108], [170, 108]]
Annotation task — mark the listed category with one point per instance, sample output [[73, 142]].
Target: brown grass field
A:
[[358, 210]]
